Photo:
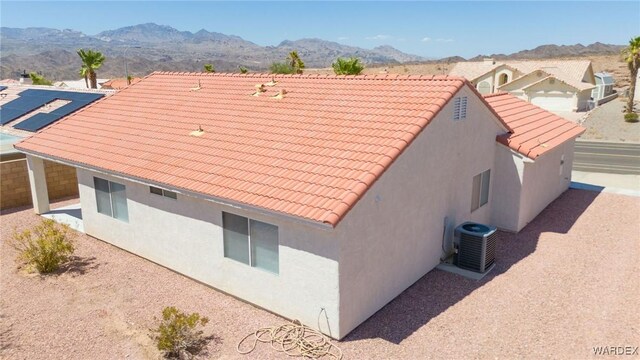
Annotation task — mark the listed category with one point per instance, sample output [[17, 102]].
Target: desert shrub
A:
[[282, 68], [178, 333], [44, 247], [631, 117]]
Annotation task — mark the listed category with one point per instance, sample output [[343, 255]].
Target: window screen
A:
[[480, 189], [103, 198], [236, 237], [111, 199], [264, 246], [251, 242]]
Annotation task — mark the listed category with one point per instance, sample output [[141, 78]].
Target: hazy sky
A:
[[427, 28]]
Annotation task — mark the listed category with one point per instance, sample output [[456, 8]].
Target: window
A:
[[250, 242], [504, 78], [111, 199], [162, 192], [460, 108], [480, 192]]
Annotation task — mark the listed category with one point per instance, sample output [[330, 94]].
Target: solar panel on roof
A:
[[70, 107], [7, 115], [17, 108], [37, 121], [32, 99]]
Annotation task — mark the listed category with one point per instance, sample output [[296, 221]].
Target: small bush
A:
[[631, 117], [282, 68], [177, 333], [45, 247]]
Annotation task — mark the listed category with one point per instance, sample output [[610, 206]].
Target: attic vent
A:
[[460, 108], [539, 73], [552, 81], [259, 89]]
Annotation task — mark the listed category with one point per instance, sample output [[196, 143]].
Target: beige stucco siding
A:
[[186, 236], [507, 188], [393, 235], [544, 180]]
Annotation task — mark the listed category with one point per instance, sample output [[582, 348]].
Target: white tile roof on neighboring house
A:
[[570, 72], [76, 84]]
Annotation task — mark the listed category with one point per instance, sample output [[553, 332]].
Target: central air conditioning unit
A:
[[476, 246]]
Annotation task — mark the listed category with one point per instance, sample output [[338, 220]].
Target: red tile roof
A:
[[311, 154], [535, 130], [120, 83]]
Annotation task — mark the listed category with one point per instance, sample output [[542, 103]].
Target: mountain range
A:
[[150, 47]]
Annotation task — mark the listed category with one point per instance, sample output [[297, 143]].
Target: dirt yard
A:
[[565, 284]]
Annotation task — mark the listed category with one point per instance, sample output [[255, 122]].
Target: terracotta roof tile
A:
[[311, 154], [535, 130]]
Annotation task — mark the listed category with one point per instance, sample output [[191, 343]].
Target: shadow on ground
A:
[[77, 266], [438, 290]]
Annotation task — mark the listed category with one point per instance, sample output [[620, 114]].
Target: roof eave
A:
[[214, 199]]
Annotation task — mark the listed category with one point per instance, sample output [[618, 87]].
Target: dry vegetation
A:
[[609, 63]]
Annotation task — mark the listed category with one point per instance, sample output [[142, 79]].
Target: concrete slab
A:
[[70, 215], [462, 272], [611, 183]]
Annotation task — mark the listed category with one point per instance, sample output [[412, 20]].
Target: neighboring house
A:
[[539, 161], [303, 194], [555, 85], [77, 84], [118, 84], [603, 91], [14, 178]]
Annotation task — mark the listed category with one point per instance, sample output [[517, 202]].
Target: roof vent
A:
[[259, 89], [197, 87], [280, 94], [273, 82], [476, 246], [197, 132]]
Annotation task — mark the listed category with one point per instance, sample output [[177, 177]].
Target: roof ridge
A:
[[314, 76]]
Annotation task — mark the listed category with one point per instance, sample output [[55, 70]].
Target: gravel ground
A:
[[565, 284], [607, 123]]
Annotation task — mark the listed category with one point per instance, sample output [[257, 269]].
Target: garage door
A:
[[554, 102]]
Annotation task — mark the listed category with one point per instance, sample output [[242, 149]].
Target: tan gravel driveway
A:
[[565, 284]]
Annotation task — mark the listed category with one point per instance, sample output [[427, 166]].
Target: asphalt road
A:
[[607, 157]]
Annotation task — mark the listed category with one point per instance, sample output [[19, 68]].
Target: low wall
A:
[[607, 98], [14, 182]]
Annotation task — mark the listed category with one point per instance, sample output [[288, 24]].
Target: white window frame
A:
[[485, 179], [460, 108], [109, 185], [251, 260]]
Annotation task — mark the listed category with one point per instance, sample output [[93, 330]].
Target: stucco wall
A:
[[507, 187], [14, 182], [186, 236], [543, 182], [583, 100], [393, 235]]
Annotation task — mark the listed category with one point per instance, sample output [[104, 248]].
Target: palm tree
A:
[[85, 75], [632, 57], [91, 61], [351, 66], [295, 62]]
